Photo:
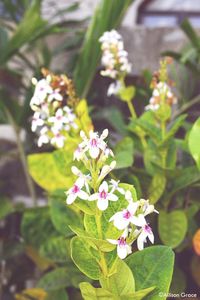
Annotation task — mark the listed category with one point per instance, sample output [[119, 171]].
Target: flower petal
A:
[[93, 197], [71, 198], [122, 251], [103, 187], [83, 195], [112, 197], [102, 204], [138, 221], [94, 152], [114, 242]]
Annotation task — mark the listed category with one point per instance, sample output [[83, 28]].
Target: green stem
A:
[[102, 262], [22, 155], [186, 106], [132, 109]]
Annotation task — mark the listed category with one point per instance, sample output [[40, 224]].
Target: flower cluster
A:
[[161, 94], [52, 103], [114, 58], [94, 152], [134, 225]]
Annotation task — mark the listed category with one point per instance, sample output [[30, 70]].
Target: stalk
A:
[[22, 156]]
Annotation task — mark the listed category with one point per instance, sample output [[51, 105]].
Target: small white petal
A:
[[94, 152], [112, 197], [71, 198], [102, 204], [122, 252], [114, 242], [93, 197]]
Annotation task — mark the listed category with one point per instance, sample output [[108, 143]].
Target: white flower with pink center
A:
[[146, 232], [76, 192], [78, 153], [123, 248], [59, 119], [85, 178], [94, 144], [103, 196], [122, 219], [58, 139], [42, 89], [146, 207], [55, 95]]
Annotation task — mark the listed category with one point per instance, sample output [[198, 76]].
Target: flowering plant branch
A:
[[112, 214]]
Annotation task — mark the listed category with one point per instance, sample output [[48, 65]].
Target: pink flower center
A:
[[59, 118], [103, 195], [126, 214], [122, 241], [75, 189], [93, 142], [147, 228]]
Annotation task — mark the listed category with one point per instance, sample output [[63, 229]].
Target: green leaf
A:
[[56, 249], [84, 258], [45, 172], [151, 130], [152, 267], [97, 244], [6, 207], [172, 227], [124, 153], [29, 28], [174, 128], [191, 34], [184, 178], [60, 278], [58, 294], [194, 142], [63, 215], [36, 226], [157, 187], [121, 282], [106, 17], [127, 93], [139, 295], [90, 293]]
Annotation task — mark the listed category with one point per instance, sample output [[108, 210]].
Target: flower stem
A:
[[132, 109]]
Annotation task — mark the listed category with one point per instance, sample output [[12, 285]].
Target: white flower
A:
[[78, 153], [58, 139], [128, 196], [94, 144], [103, 196], [36, 121], [146, 207], [85, 178], [55, 95], [114, 185], [58, 120], [76, 192], [146, 232], [122, 219], [105, 170], [42, 89], [123, 248], [44, 138], [114, 88]]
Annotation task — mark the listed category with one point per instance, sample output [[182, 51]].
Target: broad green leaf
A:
[[121, 282], [127, 93], [174, 128], [139, 295], [36, 226], [172, 227], [171, 155], [56, 249], [152, 267], [157, 187], [151, 130], [107, 16], [60, 278], [6, 207], [45, 172], [57, 295], [184, 178], [84, 258], [63, 215], [90, 293], [194, 142], [85, 122], [97, 244], [191, 34], [124, 153]]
